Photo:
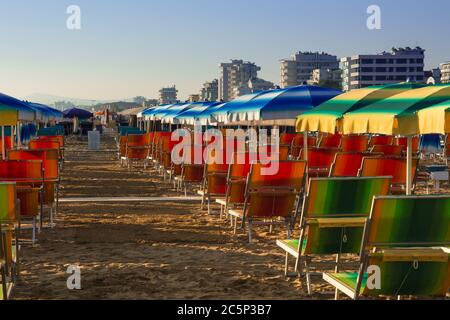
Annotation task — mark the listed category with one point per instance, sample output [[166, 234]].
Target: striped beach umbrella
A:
[[326, 117], [282, 106]]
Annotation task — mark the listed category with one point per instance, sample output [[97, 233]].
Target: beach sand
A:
[[148, 250]]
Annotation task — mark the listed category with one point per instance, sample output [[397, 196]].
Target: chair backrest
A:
[[8, 196], [403, 141], [22, 170], [267, 152], [381, 140], [45, 144], [330, 141], [60, 139], [138, 140], [388, 166], [8, 143], [388, 150], [355, 143], [274, 195], [287, 138], [347, 164], [321, 157], [297, 145], [49, 158], [338, 198], [398, 224], [447, 146]]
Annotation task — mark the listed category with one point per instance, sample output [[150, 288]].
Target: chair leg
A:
[[209, 204], [286, 265], [249, 231], [4, 288], [308, 277], [33, 239], [336, 270], [234, 225]]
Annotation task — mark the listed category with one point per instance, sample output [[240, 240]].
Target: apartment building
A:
[[401, 64], [210, 91], [235, 74], [445, 72], [298, 69], [168, 95]]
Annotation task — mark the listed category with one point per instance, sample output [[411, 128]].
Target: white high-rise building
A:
[[298, 69], [402, 64], [235, 74], [168, 95]]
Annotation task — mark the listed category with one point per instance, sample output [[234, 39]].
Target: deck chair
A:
[[50, 165], [355, 143], [332, 220], [389, 166], [406, 246], [320, 161], [268, 150], [8, 145], [191, 172], [287, 138], [137, 148], [347, 164], [271, 199], [381, 141], [297, 145], [403, 141], [48, 144], [59, 138], [236, 183], [9, 249], [29, 178], [447, 149], [388, 150], [330, 141]]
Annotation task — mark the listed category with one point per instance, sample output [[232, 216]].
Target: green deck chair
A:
[[332, 222], [405, 251]]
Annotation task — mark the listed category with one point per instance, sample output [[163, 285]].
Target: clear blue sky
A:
[[134, 47]]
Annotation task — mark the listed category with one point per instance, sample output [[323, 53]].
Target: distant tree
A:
[[139, 100], [330, 84]]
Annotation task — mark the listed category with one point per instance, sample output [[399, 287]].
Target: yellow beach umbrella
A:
[[397, 115], [434, 119]]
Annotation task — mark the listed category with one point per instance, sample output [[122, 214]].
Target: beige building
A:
[[298, 69], [327, 77], [168, 95], [194, 98], [210, 91], [445, 72]]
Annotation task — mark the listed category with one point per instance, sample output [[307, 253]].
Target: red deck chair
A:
[[347, 164], [298, 144], [447, 148], [320, 161], [267, 151], [272, 199], [356, 143], [394, 167], [287, 138], [330, 141], [29, 178], [236, 182], [8, 145], [381, 141], [137, 147], [388, 150], [50, 159], [192, 172], [403, 141], [47, 144]]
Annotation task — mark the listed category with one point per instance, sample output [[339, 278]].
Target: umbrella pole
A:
[[305, 146], [409, 165], [3, 144], [19, 143]]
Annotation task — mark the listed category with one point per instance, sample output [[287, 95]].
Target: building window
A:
[[366, 78], [402, 61], [380, 69], [380, 78], [381, 61], [401, 69], [367, 61], [367, 69]]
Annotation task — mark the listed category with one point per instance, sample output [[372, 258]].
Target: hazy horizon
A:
[[133, 48]]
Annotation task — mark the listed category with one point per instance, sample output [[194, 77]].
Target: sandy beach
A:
[[148, 250]]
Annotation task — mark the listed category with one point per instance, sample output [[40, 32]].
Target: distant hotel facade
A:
[[400, 65], [445, 72], [168, 95], [210, 91], [299, 68], [235, 74]]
